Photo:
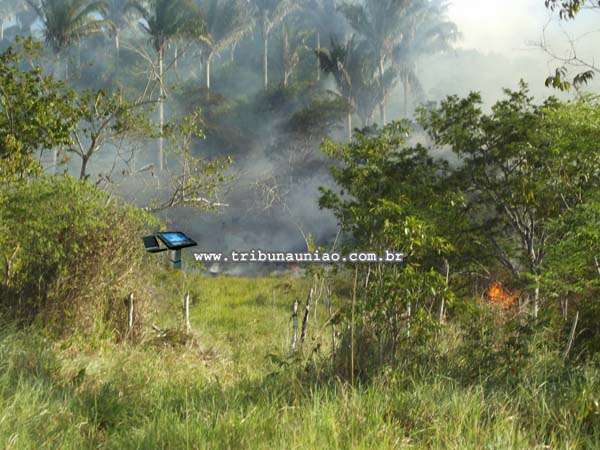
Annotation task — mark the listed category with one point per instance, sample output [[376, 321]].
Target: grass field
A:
[[233, 387]]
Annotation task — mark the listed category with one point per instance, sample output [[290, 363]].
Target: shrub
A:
[[71, 254]]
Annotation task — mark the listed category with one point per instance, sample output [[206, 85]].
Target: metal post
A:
[[176, 259]]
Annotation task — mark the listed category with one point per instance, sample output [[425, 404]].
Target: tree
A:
[[105, 118], [36, 112], [8, 8], [226, 23], [521, 166], [324, 18], [351, 65], [269, 13], [425, 31], [163, 21], [380, 24], [118, 14], [64, 22], [386, 190], [341, 61]]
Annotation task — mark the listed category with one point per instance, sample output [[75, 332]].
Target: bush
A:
[[72, 255]]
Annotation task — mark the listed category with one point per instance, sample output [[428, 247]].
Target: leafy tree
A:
[[386, 190], [226, 23], [36, 112], [269, 13], [521, 166], [105, 118], [197, 182], [163, 21]]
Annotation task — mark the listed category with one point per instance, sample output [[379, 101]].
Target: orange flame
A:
[[497, 295]]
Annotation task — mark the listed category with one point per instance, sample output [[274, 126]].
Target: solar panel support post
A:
[[175, 259]]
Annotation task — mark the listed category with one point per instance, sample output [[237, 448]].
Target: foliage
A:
[[521, 166], [386, 190], [164, 20], [106, 118], [66, 21], [36, 112], [197, 181], [71, 254]]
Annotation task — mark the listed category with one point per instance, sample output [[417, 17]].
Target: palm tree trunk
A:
[[318, 51], [266, 60], [161, 109], [208, 72], [405, 86], [117, 45], [382, 105], [350, 127]]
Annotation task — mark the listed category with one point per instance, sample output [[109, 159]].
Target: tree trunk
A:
[[349, 127], [286, 55], [84, 162], [382, 105], [306, 315], [405, 86], [536, 297], [443, 300], [266, 60], [117, 47], [208, 73], [1, 30], [55, 159], [161, 110], [318, 51], [232, 52]]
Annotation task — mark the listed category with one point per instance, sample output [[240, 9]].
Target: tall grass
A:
[[234, 387]]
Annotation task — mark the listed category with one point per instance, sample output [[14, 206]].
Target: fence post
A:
[[186, 312], [130, 315], [294, 326]]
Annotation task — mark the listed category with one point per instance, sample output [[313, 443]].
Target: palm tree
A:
[[163, 21], [119, 15], [270, 13], [323, 17], [428, 31], [227, 21], [65, 22], [379, 23], [351, 65], [9, 8]]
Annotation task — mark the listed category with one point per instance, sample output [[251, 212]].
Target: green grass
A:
[[233, 387]]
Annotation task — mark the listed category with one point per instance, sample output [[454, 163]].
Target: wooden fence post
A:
[[186, 312], [306, 315], [330, 312], [130, 315], [294, 326]]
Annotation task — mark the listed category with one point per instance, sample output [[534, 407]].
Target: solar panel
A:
[[175, 240], [152, 246]]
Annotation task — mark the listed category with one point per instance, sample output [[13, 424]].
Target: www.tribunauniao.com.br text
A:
[[258, 256]]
